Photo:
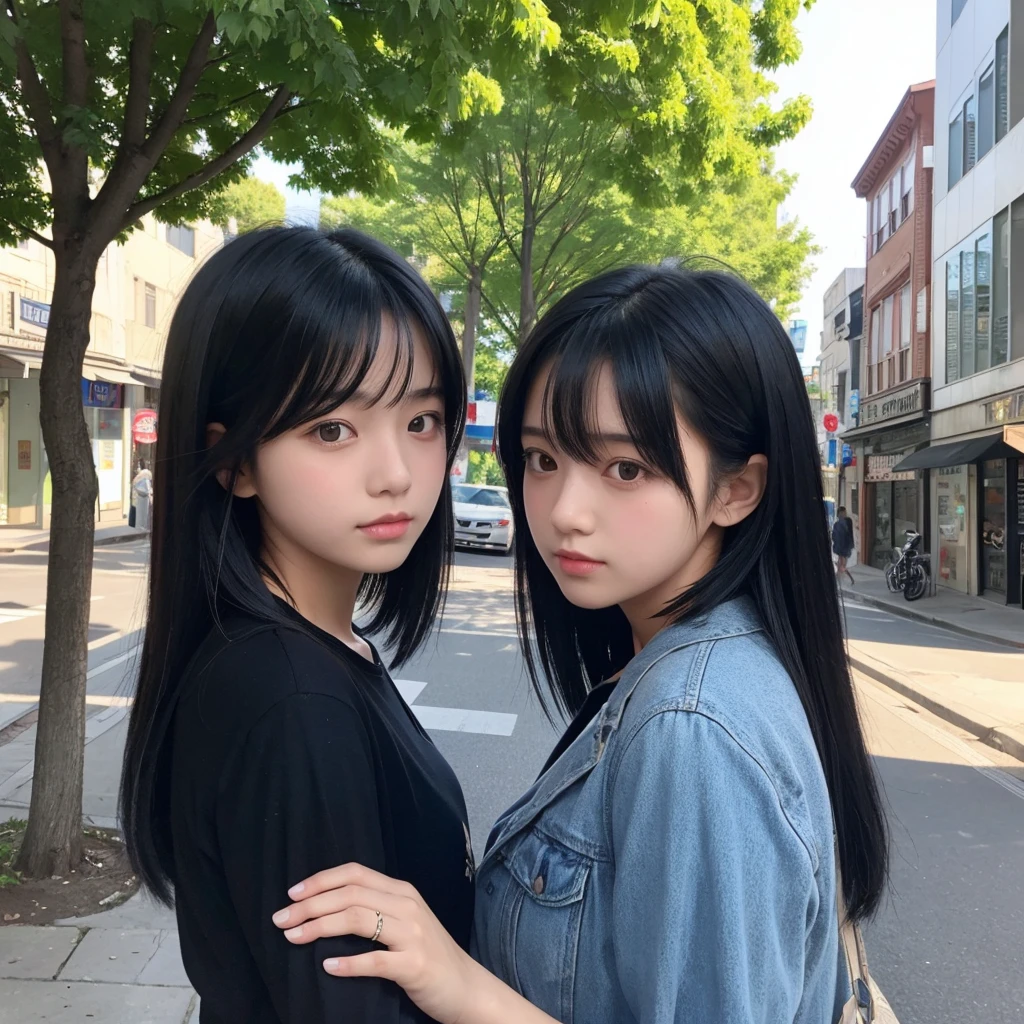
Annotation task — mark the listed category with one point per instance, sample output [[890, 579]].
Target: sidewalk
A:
[[976, 689], [14, 539], [121, 966]]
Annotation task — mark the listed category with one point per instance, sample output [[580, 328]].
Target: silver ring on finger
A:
[[380, 926]]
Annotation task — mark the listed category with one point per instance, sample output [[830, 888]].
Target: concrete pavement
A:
[[13, 538]]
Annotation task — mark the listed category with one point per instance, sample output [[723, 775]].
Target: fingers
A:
[[377, 964], [353, 921], [349, 874], [338, 900]]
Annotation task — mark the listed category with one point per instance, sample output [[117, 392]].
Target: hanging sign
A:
[[144, 426]]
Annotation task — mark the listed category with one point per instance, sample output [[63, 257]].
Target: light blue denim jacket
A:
[[676, 863]]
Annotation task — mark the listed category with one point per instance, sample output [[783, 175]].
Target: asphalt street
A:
[[949, 943]]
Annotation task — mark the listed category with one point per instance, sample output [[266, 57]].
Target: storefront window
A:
[[951, 501], [993, 529], [881, 548], [904, 509]]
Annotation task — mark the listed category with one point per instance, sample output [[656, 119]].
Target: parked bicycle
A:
[[910, 569]]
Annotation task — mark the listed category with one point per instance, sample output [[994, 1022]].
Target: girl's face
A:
[[616, 533], [354, 489]]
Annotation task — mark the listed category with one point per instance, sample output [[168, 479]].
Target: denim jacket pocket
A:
[[545, 902]]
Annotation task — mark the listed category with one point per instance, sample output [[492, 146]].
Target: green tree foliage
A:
[[115, 109], [252, 203], [484, 469]]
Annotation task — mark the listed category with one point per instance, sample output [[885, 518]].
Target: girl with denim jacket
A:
[[676, 860]]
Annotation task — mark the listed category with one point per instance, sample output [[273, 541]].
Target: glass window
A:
[[953, 318], [907, 198], [951, 497], [1001, 288], [986, 110], [887, 310], [183, 238], [894, 203], [967, 312], [983, 302], [881, 548], [876, 327], [993, 530], [970, 133], [956, 149], [906, 330], [150, 305], [1002, 105]]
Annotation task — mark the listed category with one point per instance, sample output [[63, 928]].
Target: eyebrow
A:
[[416, 395], [599, 438]]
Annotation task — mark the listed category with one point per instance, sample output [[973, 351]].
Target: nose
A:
[[389, 472], [573, 511]]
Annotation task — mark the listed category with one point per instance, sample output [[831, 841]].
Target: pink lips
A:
[[574, 564], [389, 527]]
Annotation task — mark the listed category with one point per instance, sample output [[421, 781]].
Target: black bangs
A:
[[620, 339]]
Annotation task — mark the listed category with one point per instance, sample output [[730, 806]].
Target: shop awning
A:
[[958, 453], [107, 374], [1014, 437], [27, 362], [145, 377]]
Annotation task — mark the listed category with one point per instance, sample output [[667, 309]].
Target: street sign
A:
[[144, 426], [847, 455], [831, 422], [854, 403]]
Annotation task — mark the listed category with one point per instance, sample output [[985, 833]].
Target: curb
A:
[[989, 735], [932, 620], [99, 542]]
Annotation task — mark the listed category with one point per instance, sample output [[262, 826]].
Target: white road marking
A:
[[486, 723], [974, 758], [17, 614]]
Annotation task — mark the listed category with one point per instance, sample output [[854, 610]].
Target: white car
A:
[[483, 518]]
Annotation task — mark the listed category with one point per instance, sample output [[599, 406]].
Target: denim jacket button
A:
[[538, 885]]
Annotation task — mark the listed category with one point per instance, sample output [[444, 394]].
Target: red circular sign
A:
[[144, 426], [831, 422]]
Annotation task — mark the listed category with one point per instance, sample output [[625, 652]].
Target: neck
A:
[[321, 592], [643, 611]]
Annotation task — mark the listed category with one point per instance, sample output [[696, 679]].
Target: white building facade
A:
[[975, 460]]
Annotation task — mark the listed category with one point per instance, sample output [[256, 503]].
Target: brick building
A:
[[893, 419]]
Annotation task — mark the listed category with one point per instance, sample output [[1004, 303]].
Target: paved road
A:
[[948, 946]]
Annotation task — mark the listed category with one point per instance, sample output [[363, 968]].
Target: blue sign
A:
[[798, 334], [101, 394], [475, 432], [855, 403], [831, 452], [37, 313], [847, 455]]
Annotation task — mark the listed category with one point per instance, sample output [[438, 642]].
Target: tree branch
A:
[[136, 106], [227, 108], [170, 120], [37, 99], [248, 142], [73, 56], [41, 239]]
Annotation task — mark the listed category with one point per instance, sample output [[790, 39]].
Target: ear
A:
[[741, 493], [245, 485]]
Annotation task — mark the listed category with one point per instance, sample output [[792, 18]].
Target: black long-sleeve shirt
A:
[[291, 754]]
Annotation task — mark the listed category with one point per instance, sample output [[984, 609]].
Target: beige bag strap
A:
[[860, 1008]]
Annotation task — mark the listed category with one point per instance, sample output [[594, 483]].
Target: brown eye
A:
[[329, 433], [629, 471], [424, 424], [540, 462]]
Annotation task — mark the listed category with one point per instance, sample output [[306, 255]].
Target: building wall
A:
[[996, 181], [23, 491]]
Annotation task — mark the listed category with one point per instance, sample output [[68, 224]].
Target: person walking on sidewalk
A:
[[313, 405], [842, 543], [142, 493]]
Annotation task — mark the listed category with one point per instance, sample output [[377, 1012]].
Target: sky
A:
[[860, 57]]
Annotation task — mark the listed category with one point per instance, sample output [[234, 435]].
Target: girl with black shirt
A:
[[312, 403]]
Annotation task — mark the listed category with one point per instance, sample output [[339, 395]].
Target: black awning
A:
[[959, 453]]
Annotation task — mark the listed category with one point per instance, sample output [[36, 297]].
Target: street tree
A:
[[252, 203], [117, 109]]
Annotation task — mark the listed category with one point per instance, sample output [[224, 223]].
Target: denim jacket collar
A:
[[732, 618]]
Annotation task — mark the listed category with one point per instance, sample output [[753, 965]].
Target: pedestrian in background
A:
[[679, 858], [142, 493], [842, 543], [313, 402]]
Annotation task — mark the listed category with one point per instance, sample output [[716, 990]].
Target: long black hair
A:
[[277, 328], [703, 344]]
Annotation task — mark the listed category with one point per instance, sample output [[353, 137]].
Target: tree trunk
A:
[[473, 290], [527, 298], [53, 840]]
